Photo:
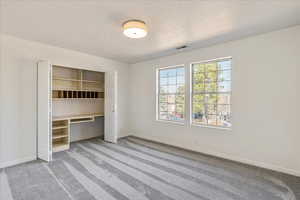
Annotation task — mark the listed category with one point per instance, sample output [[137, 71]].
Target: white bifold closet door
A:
[[111, 116], [44, 111]]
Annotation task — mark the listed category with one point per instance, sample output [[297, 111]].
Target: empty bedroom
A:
[[149, 100]]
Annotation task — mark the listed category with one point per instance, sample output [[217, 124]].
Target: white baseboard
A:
[[253, 163], [123, 136], [233, 158], [17, 161]]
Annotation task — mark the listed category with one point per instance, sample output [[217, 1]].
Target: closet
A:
[[73, 104]]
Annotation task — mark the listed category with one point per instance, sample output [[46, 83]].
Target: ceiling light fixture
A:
[[135, 28]]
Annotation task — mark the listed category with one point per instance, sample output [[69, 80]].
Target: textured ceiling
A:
[[94, 26]]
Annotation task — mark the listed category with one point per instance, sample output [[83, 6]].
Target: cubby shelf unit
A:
[[75, 94], [60, 135]]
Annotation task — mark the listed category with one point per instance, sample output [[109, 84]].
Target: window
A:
[[211, 93], [170, 90]]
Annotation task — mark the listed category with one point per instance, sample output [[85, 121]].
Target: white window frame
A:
[[192, 94], [158, 95]]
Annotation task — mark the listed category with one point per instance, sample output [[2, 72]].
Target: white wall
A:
[[18, 92], [1, 64], [266, 102], [265, 99]]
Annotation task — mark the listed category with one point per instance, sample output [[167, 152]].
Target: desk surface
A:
[[69, 117]]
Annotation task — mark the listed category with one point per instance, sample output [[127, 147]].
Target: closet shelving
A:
[[77, 84], [60, 135]]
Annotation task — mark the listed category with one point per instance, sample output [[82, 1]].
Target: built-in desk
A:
[[78, 118], [61, 128]]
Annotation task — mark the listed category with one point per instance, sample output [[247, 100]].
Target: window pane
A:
[[163, 115], [225, 64], [180, 89], [211, 87], [171, 107], [171, 93], [199, 77], [224, 99], [171, 115], [180, 71], [198, 68], [223, 109], [198, 98], [180, 108], [180, 80], [211, 93], [224, 75], [198, 109], [224, 119], [172, 89], [164, 89], [179, 117], [163, 107], [211, 76], [200, 120], [163, 81], [171, 99], [180, 111], [224, 115], [163, 73], [224, 86], [212, 120], [211, 98], [198, 87], [210, 67], [172, 80], [180, 99], [211, 109], [163, 98], [171, 72]]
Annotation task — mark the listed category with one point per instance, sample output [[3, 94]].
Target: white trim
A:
[[211, 126], [124, 135], [212, 60], [170, 67], [233, 158], [171, 122], [17, 161], [253, 163], [88, 67]]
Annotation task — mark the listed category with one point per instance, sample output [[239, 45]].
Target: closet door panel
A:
[[110, 104], [44, 114]]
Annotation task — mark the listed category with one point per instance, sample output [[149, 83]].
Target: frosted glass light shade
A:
[[135, 29]]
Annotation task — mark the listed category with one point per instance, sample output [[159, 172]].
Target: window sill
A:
[[170, 122], [212, 127]]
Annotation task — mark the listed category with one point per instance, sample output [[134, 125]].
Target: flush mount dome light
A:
[[135, 29]]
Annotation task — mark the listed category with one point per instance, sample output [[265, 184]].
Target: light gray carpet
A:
[[135, 170]]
